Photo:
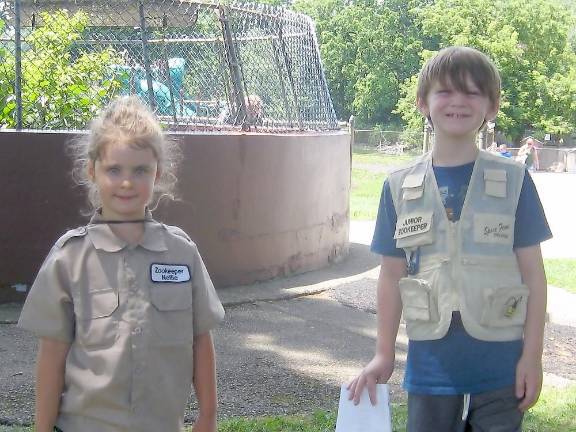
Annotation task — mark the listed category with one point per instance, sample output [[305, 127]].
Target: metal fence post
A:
[[235, 73], [18, 64], [145, 56], [288, 65]]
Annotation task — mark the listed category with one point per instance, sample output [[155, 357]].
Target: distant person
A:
[[503, 150], [459, 231], [528, 153], [254, 112], [123, 306], [254, 109], [492, 148]]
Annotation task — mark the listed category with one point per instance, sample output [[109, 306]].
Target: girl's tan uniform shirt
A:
[[130, 314]]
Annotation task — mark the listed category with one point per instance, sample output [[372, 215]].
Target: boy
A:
[[459, 231]]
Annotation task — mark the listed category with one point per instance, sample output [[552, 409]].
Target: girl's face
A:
[[125, 178]]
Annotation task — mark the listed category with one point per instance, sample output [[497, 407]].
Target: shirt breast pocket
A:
[[171, 318], [96, 323]]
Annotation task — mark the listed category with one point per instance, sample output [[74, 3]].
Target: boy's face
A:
[[456, 114]]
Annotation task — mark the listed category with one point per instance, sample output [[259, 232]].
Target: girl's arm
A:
[[529, 368], [50, 368], [205, 383]]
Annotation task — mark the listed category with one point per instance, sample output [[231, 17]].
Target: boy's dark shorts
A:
[[493, 410]]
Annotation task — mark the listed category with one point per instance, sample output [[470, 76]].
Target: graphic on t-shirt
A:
[[452, 200]]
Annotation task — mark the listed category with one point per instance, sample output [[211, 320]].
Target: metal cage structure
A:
[[199, 66]]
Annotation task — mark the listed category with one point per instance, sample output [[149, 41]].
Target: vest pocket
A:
[[96, 327], [505, 306], [418, 301]]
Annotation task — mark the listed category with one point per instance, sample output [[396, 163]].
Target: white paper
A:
[[364, 417]]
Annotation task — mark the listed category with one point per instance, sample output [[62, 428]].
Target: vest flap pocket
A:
[[495, 183], [495, 175], [413, 180], [168, 297], [412, 193], [495, 188], [418, 303], [493, 228], [505, 306]]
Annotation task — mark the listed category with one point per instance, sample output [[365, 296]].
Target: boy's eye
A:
[[113, 170]]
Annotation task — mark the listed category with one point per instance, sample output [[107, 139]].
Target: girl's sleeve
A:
[[48, 310], [207, 309]]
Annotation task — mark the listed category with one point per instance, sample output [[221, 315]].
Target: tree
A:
[[62, 85], [528, 41], [368, 48]]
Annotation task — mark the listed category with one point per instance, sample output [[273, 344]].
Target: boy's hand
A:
[[528, 381], [377, 371], [204, 424]]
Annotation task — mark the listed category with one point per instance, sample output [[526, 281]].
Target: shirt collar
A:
[[103, 237]]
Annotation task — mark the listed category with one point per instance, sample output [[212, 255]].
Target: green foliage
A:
[[62, 86], [368, 49], [528, 41], [561, 273]]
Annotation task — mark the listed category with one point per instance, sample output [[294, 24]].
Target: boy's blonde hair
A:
[[126, 120], [453, 65]]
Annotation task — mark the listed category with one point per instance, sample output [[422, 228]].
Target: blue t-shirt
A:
[[459, 363]]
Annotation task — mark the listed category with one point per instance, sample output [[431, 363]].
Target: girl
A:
[[123, 306]]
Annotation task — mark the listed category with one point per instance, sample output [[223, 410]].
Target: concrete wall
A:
[[258, 206]]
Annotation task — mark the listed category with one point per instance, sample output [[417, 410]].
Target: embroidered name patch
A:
[[493, 228], [169, 273], [413, 224]]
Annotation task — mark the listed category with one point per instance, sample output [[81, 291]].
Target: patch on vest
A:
[[413, 224], [174, 273], [493, 228]]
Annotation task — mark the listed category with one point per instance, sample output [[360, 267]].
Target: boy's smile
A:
[[456, 114]]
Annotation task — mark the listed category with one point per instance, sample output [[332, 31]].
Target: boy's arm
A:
[[389, 307], [205, 383], [529, 368], [50, 367]]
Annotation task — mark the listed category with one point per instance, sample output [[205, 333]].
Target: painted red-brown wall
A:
[[258, 206]]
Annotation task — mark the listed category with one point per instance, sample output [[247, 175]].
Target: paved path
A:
[[286, 345]]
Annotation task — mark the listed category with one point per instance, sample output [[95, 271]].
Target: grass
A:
[[561, 273], [553, 413], [368, 175]]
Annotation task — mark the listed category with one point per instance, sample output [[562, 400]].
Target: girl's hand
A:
[[205, 424], [377, 371], [528, 381]]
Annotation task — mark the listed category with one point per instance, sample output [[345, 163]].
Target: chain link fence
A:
[[200, 66], [389, 142]]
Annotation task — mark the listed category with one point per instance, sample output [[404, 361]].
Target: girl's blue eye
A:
[[141, 170], [113, 170]]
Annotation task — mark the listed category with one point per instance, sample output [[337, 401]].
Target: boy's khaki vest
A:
[[468, 265]]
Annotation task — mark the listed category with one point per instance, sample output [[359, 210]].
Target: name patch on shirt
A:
[[413, 224], [175, 273], [493, 228]]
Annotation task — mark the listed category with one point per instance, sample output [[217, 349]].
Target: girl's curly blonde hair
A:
[[126, 120]]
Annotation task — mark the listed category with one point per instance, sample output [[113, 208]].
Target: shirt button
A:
[[137, 330]]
